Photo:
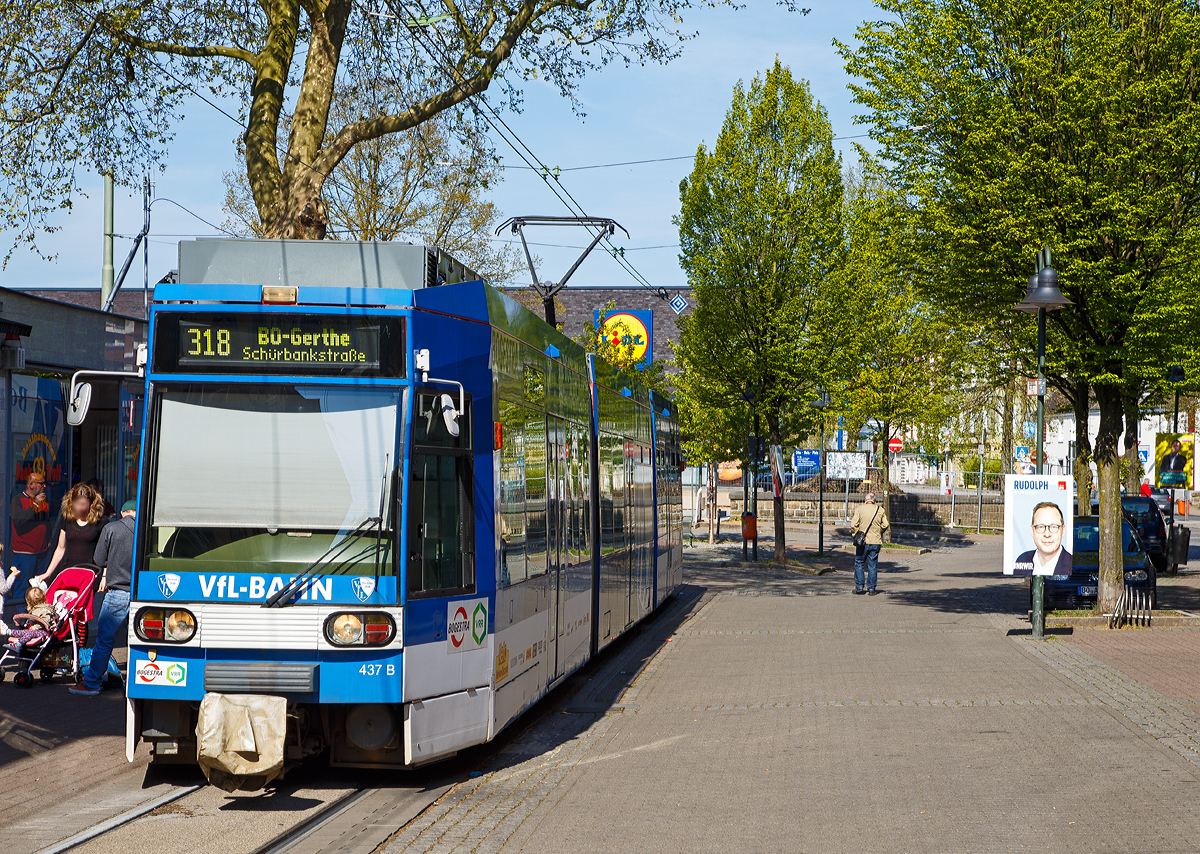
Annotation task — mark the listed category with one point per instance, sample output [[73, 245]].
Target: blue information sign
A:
[[806, 459]]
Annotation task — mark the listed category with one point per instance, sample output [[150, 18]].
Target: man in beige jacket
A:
[[872, 519]]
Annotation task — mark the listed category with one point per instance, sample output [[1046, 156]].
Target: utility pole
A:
[[754, 484], [979, 485], [106, 272]]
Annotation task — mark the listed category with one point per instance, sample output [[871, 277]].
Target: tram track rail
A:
[[322, 817], [119, 821]]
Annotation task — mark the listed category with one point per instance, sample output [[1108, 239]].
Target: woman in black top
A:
[[83, 515]]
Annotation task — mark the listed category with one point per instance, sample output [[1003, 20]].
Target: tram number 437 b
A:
[[377, 669]]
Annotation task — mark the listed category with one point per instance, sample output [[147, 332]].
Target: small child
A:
[[6, 584], [37, 606]]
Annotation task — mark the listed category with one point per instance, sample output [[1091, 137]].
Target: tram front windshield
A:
[[270, 479]]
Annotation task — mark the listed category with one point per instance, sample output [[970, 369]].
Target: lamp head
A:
[[1043, 293], [1176, 374]]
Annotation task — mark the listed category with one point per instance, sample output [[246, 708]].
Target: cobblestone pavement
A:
[[781, 714]]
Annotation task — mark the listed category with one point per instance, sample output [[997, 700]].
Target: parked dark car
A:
[[1151, 527], [1162, 498], [1079, 589]]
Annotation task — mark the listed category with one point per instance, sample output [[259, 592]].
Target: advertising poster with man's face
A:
[[1038, 524], [1174, 461]]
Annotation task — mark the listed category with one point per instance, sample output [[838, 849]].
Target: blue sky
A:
[[632, 114]]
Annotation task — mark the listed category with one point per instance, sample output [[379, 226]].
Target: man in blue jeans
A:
[[872, 520], [114, 553]]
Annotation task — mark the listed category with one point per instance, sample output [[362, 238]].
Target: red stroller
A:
[[71, 595]]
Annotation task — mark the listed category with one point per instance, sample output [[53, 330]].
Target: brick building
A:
[[129, 302], [580, 305]]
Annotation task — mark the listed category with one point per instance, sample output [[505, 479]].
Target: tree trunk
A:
[[1108, 474], [1081, 464], [1133, 463], [1083, 451], [712, 503], [886, 453], [1006, 435], [288, 196], [774, 438]]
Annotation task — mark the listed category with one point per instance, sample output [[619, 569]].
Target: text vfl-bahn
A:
[[381, 530]]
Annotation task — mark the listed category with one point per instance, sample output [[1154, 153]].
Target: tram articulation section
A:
[[376, 523]]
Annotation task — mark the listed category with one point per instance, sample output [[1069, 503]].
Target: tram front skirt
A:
[[241, 740]]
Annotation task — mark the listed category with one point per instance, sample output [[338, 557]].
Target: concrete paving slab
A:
[[786, 715]]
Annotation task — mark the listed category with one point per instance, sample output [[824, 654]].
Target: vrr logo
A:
[[479, 624]]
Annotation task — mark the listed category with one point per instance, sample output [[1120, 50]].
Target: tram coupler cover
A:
[[240, 740]]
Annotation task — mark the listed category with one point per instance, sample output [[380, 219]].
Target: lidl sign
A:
[[631, 331]]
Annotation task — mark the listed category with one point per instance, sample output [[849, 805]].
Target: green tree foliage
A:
[[1064, 123], [760, 232], [919, 368], [98, 84], [428, 184]]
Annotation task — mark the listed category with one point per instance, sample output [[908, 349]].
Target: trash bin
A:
[[749, 526], [1181, 505]]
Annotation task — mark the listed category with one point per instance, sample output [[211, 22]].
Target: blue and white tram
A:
[[380, 523]]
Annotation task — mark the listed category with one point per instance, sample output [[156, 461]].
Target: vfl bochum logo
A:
[[363, 587], [168, 583]]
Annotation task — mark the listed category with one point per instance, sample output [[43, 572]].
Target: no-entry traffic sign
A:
[[896, 444]]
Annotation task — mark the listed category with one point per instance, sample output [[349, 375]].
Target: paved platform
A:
[[759, 710], [782, 713]]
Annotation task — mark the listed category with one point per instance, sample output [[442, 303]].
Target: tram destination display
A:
[[272, 343]]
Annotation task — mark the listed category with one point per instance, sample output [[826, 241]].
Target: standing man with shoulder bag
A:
[[866, 532], [114, 553]]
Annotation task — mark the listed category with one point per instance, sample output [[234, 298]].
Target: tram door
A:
[[556, 533]]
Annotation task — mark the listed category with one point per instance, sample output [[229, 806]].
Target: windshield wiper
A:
[[295, 585]]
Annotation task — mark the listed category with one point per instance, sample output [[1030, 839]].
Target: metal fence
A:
[[963, 505]]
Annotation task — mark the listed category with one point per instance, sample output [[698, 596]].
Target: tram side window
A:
[[512, 495], [620, 485], [441, 554], [439, 541], [585, 504], [535, 491], [606, 496]]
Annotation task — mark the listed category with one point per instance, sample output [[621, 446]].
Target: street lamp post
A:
[[1043, 295], [819, 404], [750, 395], [1176, 376]]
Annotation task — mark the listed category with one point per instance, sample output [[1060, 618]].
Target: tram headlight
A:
[[344, 630], [370, 628], [181, 626], [160, 625]]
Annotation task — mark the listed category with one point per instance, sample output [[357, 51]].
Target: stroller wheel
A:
[[23, 679], [47, 673]]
